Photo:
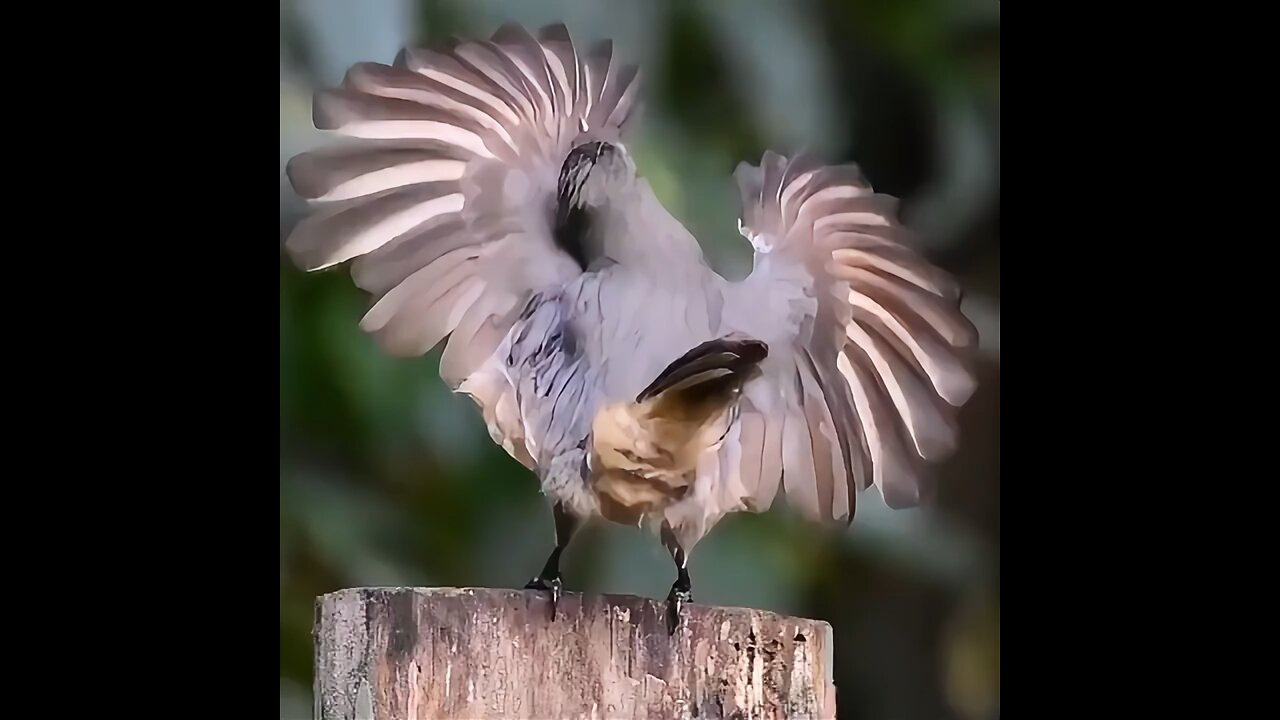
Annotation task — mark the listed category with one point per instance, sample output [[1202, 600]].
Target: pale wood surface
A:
[[419, 653]]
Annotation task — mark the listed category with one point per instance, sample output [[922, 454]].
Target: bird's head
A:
[[594, 172]]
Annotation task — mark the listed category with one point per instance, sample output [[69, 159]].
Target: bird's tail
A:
[[708, 370], [645, 452]]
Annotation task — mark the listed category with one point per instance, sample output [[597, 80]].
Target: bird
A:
[[484, 194]]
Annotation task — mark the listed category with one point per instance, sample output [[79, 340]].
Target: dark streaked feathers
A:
[[707, 361]]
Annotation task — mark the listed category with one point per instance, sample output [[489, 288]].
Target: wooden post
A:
[[426, 653]]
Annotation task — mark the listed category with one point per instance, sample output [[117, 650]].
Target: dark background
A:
[[386, 478]]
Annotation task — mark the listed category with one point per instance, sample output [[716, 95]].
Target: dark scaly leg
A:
[[681, 589], [549, 579]]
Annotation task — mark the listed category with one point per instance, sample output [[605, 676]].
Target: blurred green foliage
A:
[[387, 478]]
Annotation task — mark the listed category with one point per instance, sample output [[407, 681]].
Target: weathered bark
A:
[[419, 653]]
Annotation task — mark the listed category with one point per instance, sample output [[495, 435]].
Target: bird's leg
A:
[[549, 578], [681, 589]]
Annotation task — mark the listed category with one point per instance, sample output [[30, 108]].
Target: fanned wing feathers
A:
[[445, 199], [878, 347], [444, 204]]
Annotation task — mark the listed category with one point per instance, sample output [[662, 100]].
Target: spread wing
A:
[[869, 352], [444, 199]]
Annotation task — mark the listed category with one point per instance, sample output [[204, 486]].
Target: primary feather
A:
[[488, 200], [871, 347]]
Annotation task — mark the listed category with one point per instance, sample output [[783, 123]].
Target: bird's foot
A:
[[545, 584], [675, 604]]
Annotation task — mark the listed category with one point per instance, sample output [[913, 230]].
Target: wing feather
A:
[[872, 330], [443, 198]]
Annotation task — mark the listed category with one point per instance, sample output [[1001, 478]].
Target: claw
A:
[[547, 584]]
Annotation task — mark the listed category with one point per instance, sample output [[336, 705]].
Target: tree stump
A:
[[425, 653]]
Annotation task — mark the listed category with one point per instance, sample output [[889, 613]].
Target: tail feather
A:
[[645, 453], [728, 358]]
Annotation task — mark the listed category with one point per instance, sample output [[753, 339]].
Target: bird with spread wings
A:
[[485, 196]]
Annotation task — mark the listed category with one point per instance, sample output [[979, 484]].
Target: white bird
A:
[[489, 197]]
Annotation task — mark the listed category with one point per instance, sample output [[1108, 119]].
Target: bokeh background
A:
[[387, 478]]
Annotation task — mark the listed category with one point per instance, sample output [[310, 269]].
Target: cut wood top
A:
[[405, 652]]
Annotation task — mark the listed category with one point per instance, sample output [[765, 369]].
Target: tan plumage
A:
[[488, 200], [645, 453]]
